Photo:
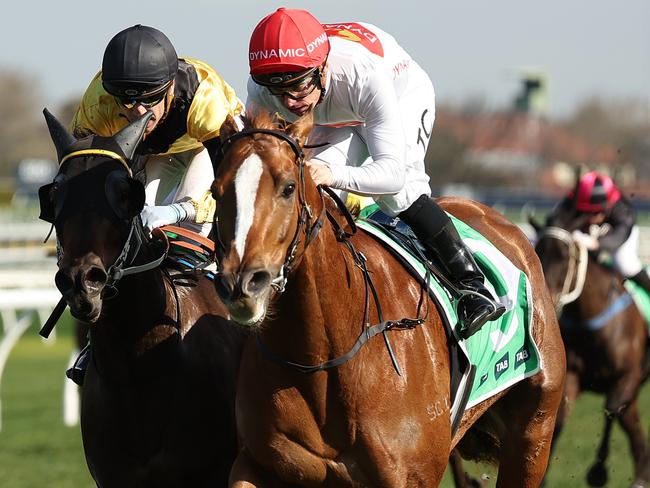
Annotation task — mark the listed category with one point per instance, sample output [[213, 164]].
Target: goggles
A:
[[298, 90], [148, 102]]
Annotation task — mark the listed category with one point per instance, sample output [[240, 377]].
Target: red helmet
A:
[[596, 193], [286, 46]]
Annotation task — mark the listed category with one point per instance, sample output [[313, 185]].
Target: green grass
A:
[[36, 449], [577, 446]]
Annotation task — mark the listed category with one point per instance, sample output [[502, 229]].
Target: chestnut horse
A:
[[310, 414], [604, 334], [158, 396]]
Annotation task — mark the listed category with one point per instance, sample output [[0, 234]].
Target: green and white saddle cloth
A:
[[503, 350], [641, 299]]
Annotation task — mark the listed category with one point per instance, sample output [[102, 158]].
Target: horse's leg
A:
[[462, 479], [571, 392], [597, 474], [618, 400], [631, 423], [246, 473], [526, 442]]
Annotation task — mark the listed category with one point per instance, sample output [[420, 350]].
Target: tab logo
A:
[[521, 357], [501, 366]]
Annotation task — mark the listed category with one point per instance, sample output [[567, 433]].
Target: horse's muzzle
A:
[[82, 287], [244, 293]]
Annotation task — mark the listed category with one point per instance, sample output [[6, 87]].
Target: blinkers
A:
[[123, 197]]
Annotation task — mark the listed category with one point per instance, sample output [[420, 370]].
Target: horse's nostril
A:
[[257, 282], [94, 279], [224, 284]]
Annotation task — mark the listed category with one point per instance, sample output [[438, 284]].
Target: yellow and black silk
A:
[[194, 114]]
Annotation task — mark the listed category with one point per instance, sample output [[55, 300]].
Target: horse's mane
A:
[[262, 119]]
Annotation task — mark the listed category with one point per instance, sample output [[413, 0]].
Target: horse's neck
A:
[[604, 284], [133, 321], [317, 309]]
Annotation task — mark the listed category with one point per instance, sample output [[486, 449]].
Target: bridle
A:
[[116, 271], [135, 239], [306, 223], [311, 231], [576, 267]]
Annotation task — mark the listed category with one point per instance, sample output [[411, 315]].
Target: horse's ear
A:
[[129, 137], [61, 138], [301, 128], [228, 128], [534, 223]]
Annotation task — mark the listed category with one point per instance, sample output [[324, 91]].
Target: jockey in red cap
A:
[[375, 107], [597, 197]]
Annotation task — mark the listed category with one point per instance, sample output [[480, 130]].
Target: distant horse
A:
[[604, 334], [352, 421], [158, 397]]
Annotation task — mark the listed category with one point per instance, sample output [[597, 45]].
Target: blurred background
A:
[[525, 93]]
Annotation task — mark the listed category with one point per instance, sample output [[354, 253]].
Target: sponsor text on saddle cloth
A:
[[503, 350]]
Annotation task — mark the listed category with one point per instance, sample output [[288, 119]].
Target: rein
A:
[[577, 265], [311, 231]]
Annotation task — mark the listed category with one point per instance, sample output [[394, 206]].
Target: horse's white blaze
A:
[[247, 181]]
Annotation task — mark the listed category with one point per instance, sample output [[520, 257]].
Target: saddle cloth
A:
[[503, 350], [641, 299]]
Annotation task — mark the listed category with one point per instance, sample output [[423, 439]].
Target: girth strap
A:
[[367, 334]]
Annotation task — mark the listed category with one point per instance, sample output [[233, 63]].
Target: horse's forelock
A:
[[261, 120]]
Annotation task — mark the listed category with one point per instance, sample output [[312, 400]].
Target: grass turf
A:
[[36, 449]]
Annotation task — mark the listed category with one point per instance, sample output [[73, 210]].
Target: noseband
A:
[[305, 216], [577, 265]]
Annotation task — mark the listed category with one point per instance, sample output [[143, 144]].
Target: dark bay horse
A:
[[159, 392], [605, 338], [306, 415]]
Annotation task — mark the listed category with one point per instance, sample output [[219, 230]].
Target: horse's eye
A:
[[288, 190]]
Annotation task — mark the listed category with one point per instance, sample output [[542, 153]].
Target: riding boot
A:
[[643, 280], [78, 370], [436, 231]]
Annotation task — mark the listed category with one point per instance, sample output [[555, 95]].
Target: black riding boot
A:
[[643, 280], [436, 231], [78, 370]]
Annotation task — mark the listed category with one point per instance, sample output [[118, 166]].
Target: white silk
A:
[[377, 114]]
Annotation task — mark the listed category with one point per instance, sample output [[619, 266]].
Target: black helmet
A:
[[139, 62]]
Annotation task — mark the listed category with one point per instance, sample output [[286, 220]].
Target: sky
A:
[[472, 49]]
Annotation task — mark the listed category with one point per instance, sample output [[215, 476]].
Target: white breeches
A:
[[626, 258], [179, 177]]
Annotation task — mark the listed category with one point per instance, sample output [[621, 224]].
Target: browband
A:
[[98, 152]]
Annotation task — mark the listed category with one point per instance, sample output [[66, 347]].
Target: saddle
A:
[[503, 351], [188, 251], [400, 232]]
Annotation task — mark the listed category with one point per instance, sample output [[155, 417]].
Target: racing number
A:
[[422, 130]]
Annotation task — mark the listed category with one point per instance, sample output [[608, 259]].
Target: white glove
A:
[[159, 215], [582, 239]]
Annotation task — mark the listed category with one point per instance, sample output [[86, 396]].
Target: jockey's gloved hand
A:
[[585, 240], [154, 216]]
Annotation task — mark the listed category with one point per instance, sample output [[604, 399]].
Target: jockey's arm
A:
[[384, 172], [621, 218]]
